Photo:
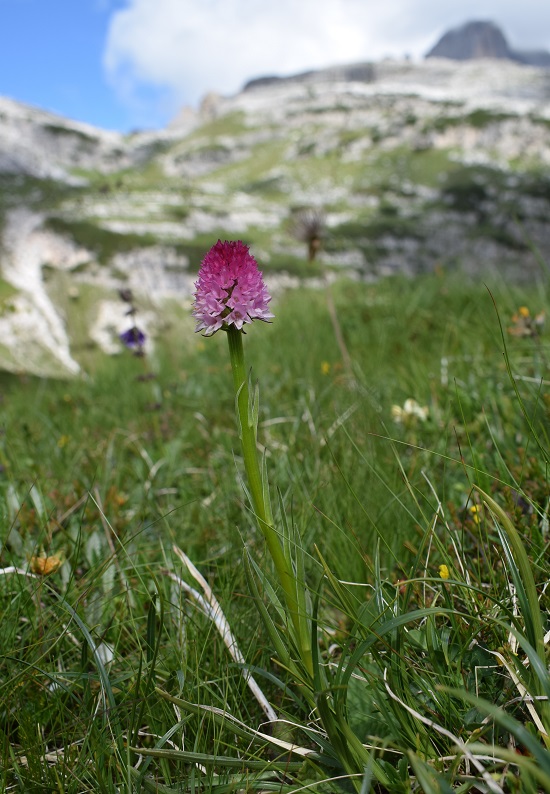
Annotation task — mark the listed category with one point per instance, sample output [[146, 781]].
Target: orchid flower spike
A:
[[230, 289]]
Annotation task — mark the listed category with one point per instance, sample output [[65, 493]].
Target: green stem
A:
[[247, 428], [260, 505]]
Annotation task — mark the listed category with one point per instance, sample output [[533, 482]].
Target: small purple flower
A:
[[133, 338], [230, 289]]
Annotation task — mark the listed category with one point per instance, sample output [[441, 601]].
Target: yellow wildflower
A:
[[475, 511], [325, 368], [523, 324], [63, 441], [43, 566], [444, 571]]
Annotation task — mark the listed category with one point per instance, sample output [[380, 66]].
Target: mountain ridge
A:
[[471, 41]]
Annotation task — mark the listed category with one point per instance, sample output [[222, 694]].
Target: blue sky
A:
[[51, 55], [125, 64]]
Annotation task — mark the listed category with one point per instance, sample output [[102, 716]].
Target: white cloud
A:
[[165, 53]]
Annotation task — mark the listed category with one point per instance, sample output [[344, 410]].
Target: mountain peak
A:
[[483, 39], [472, 40]]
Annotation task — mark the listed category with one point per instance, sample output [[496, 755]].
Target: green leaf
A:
[[227, 762], [253, 404], [523, 736], [430, 781], [522, 575], [276, 638]]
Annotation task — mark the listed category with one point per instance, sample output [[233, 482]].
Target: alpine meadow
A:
[[275, 440]]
